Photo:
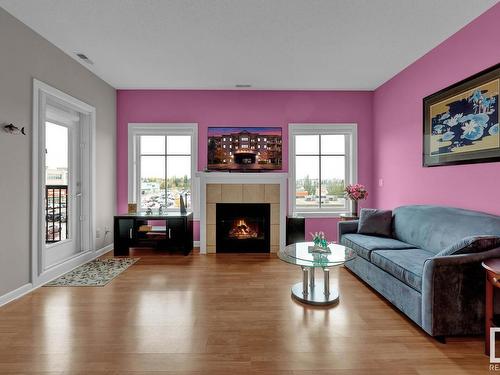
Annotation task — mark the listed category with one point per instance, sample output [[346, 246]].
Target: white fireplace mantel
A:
[[241, 178]]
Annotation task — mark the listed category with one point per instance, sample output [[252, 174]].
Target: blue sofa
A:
[[442, 293]]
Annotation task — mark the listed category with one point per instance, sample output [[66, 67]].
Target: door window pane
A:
[[332, 144], [307, 144], [152, 182], [56, 182], [178, 144], [178, 180], [152, 145], [307, 181], [332, 181], [56, 154]]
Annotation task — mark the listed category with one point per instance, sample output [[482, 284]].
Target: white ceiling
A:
[[270, 44]]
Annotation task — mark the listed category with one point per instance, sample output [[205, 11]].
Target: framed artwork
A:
[[244, 148], [461, 122], [132, 208]]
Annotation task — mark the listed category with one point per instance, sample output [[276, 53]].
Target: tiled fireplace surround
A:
[[241, 188]]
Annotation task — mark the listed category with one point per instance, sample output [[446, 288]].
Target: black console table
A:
[[170, 231]]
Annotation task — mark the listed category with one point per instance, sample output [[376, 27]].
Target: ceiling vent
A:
[[84, 58], [243, 85]]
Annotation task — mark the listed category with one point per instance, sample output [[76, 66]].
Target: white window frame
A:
[[351, 163], [135, 130]]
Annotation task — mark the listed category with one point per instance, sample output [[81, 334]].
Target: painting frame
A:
[[457, 135], [244, 148]]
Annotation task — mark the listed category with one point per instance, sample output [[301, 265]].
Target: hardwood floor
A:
[[219, 314]]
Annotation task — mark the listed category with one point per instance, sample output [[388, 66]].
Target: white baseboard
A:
[[196, 244], [15, 294], [104, 250], [27, 288], [69, 265]]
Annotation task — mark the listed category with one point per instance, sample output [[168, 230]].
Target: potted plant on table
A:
[[355, 193]]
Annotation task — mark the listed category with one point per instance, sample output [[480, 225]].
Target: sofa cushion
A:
[[363, 245], [375, 222], [434, 228], [472, 244], [406, 265]]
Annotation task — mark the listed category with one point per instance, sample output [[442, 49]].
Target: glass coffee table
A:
[[308, 291]]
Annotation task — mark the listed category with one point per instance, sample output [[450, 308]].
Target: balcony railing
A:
[[56, 213]]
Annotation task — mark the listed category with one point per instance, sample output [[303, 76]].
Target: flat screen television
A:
[[244, 148]]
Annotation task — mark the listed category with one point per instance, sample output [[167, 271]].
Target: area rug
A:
[[98, 272]]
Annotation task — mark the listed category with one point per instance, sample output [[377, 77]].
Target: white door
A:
[[61, 209]]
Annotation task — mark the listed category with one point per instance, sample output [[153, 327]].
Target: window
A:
[[322, 162], [162, 165]]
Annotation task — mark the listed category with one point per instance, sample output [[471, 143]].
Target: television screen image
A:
[[238, 148]]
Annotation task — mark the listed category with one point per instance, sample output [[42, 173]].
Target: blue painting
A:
[[467, 122]]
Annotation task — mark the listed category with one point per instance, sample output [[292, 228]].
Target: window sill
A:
[[319, 215], [196, 215]]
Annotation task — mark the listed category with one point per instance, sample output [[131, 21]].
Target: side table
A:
[[492, 267]]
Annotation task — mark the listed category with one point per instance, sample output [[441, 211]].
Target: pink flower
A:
[[356, 192]]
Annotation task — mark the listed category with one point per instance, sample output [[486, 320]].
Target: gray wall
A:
[[25, 55]]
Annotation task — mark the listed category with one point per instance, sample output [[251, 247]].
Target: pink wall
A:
[[398, 126], [239, 108]]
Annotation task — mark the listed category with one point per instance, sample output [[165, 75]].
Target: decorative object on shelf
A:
[[320, 243], [149, 211], [355, 193], [132, 208], [12, 129], [182, 205], [160, 210], [461, 121]]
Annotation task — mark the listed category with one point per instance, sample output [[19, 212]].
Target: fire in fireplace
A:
[[242, 231], [242, 227]]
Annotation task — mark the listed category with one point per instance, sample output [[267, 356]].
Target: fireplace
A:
[[243, 227]]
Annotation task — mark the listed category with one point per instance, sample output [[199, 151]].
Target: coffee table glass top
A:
[[299, 255]]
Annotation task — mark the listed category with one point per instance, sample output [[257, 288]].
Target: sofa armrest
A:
[[344, 227], [462, 259], [453, 293]]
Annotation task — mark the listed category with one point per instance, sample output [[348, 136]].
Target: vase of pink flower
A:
[[355, 193]]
